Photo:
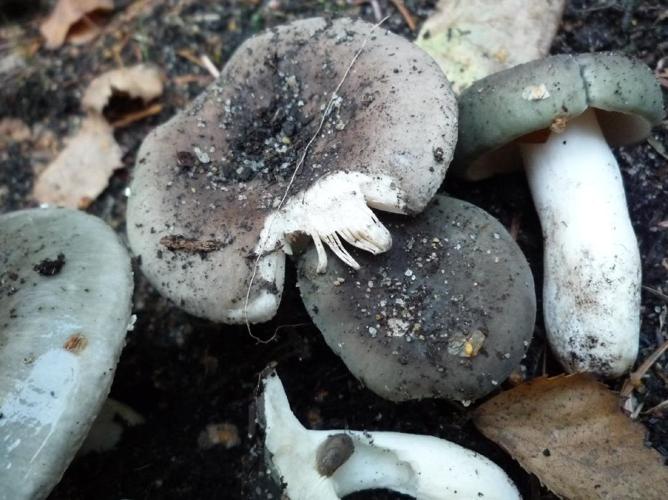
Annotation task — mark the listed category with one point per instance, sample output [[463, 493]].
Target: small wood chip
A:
[[190, 245]]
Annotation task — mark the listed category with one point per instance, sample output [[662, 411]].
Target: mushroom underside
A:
[[277, 148]]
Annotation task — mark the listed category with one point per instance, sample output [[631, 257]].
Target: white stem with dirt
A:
[[591, 291]]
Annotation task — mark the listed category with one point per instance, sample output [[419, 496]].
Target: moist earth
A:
[[182, 373]]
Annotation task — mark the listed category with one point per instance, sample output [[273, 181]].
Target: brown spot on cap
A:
[[76, 343]]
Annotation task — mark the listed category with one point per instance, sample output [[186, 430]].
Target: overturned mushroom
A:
[[65, 292], [559, 114], [328, 465], [447, 312], [309, 125]]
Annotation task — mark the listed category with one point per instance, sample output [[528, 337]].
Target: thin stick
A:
[[325, 114], [209, 66], [377, 12], [635, 378], [656, 293], [401, 7], [130, 118]]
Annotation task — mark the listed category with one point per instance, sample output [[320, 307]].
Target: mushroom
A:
[[560, 114], [328, 465], [448, 312], [275, 150], [65, 303]]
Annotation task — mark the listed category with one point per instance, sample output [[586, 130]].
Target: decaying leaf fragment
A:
[[570, 432], [136, 82], [471, 39], [68, 14], [82, 170], [13, 129]]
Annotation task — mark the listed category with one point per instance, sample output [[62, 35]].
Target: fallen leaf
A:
[[14, 130], [82, 170], [137, 82], [475, 38], [570, 432], [224, 434], [73, 18], [108, 428]]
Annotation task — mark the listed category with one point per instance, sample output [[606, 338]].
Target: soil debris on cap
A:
[[50, 267], [192, 245]]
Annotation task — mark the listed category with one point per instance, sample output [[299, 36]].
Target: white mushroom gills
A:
[[591, 294], [336, 207], [424, 467]]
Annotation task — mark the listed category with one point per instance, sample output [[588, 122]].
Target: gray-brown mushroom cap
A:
[[209, 184], [545, 95], [448, 312]]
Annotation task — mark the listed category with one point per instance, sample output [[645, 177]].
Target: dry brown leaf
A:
[[570, 432], [137, 82], [82, 170], [68, 13], [14, 130]]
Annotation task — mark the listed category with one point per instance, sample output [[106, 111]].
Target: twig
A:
[[176, 242], [137, 115], [185, 79], [635, 377], [656, 293], [515, 226], [209, 66], [325, 114], [202, 61], [186, 54], [375, 6], [291, 325], [658, 409], [401, 7]]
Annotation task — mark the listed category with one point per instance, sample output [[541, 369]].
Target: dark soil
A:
[[183, 373]]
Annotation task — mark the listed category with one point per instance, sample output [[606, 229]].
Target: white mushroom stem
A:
[[591, 294], [336, 207], [424, 467]]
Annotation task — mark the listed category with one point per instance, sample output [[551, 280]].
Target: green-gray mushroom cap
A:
[[545, 95], [448, 312], [65, 307], [558, 117]]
